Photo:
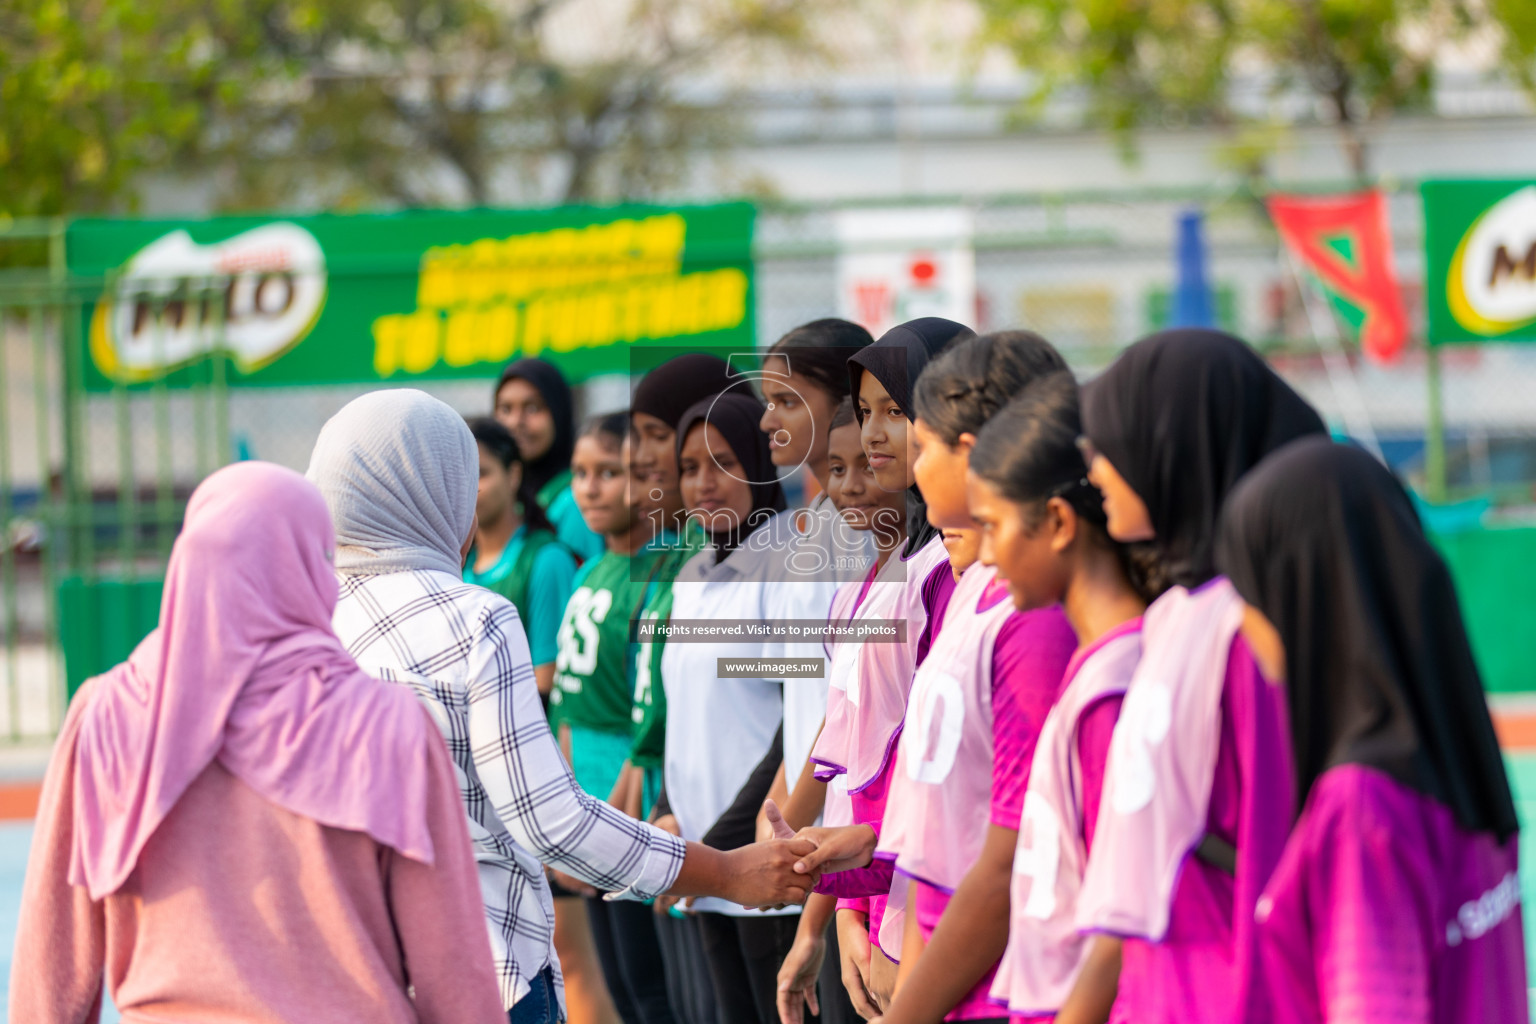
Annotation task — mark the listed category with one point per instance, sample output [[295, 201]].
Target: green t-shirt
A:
[[534, 572], [650, 700], [593, 671]]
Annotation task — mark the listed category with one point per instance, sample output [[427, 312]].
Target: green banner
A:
[[401, 297], [1480, 260]]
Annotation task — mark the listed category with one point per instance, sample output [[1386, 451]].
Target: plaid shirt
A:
[[462, 649]]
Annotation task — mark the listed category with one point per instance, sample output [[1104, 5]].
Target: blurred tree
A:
[[1172, 61], [93, 93], [344, 104]]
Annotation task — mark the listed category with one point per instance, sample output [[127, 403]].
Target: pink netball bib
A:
[[1157, 784], [1045, 950], [868, 682], [936, 820]]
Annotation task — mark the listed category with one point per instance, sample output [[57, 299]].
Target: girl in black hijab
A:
[[1180, 416], [735, 415], [660, 399], [545, 428], [1398, 887], [1197, 791], [719, 729], [896, 361]]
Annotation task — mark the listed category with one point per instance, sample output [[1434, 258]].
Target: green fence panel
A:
[[1497, 587], [101, 621]]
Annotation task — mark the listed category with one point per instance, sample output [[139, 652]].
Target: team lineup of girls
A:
[[1141, 701], [1165, 738]]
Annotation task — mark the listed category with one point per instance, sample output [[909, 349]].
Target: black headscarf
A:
[[1325, 542], [671, 388], [736, 416], [896, 361], [1182, 415], [549, 382]]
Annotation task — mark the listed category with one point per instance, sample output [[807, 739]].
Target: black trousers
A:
[[624, 932], [744, 955], [689, 988]]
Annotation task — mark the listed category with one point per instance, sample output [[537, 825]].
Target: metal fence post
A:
[[1434, 429]]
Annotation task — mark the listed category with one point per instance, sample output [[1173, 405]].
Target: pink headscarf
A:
[[245, 669]]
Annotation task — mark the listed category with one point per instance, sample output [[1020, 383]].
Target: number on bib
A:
[[579, 635], [643, 676], [935, 688], [1144, 722], [1038, 855]]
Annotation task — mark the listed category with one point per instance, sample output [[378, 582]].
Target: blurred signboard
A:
[[1480, 260], [400, 297], [900, 264]]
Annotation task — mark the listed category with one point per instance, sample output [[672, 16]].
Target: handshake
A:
[[778, 870]]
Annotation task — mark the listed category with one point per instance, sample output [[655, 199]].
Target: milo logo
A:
[[253, 296], [1491, 288]]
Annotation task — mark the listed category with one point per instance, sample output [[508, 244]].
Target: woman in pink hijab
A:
[[239, 825]]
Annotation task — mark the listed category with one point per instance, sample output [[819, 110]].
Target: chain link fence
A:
[[93, 486]]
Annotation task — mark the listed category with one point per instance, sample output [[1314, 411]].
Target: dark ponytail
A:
[[612, 425], [819, 351], [965, 386], [497, 440], [1029, 453]]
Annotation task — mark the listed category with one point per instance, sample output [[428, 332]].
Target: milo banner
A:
[[1480, 260], [400, 297]]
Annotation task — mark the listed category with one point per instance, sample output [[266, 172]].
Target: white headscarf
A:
[[399, 471]]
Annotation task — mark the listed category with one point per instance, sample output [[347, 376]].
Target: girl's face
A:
[[799, 415], [714, 486], [1264, 643], [1030, 560], [496, 493], [522, 410], [940, 474], [884, 435], [963, 546], [653, 462], [1127, 513], [851, 485], [600, 485]]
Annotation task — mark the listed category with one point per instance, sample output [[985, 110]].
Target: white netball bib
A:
[[1162, 760], [1045, 950], [867, 696], [936, 816]]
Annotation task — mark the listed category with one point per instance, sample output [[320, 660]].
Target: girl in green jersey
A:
[[592, 700], [516, 553]]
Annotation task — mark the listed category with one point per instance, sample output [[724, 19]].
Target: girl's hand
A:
[[797, 978], [837, 849], [853, 944]]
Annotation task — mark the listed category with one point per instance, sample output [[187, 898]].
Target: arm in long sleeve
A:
[[438, 915], [532, 788], [737, 826], [874, 880], [60, 955]]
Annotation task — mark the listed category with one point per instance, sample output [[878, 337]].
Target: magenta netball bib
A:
[[868, 682], [936, 818], [1045, 950], [1157, 784]]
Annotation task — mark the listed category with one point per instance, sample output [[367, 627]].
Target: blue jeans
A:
[[541, 1005]]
